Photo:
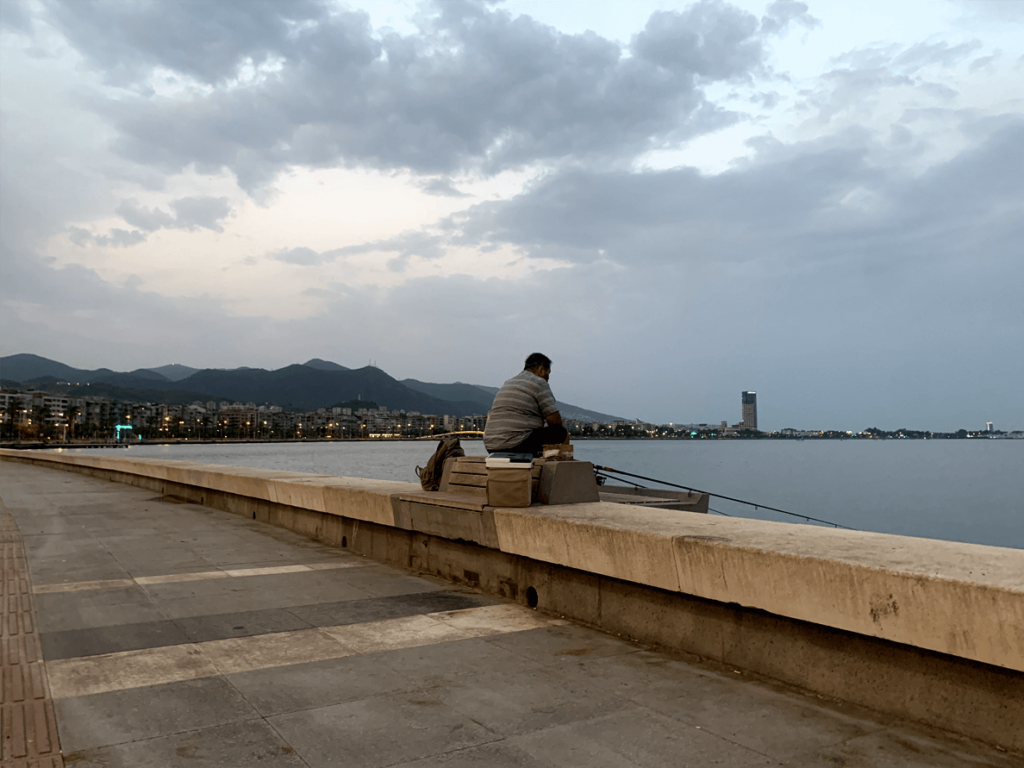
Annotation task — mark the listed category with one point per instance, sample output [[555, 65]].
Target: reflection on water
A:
[[960, 490]]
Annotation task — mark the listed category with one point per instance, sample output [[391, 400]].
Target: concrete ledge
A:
[[927, 630], [965, 600], [618, 540]]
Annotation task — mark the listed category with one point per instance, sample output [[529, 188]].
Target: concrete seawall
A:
[[926, 630]]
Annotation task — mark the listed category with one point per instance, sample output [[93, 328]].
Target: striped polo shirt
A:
[[521, 406]]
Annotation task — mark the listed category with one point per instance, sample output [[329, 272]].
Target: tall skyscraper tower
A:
[[749, 420]]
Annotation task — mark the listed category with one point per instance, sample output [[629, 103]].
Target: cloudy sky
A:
[[822, 202]]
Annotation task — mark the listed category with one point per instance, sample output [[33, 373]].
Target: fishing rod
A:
[[604, 477], [719, 496]]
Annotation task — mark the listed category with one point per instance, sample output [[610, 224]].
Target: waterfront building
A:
[[749, 413]]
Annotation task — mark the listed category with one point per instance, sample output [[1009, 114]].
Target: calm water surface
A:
[[959, 490]]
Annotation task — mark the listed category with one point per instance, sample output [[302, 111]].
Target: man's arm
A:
[[555, 419]]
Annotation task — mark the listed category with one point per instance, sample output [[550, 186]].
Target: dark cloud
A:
[[838, 206], [405, 245], [906, 60], [862, 74], [206, 41], [767, 100], [671, 215], [474, 89], [942, 53], [195, 213], [442, 188], [780, 14], [986, 62], [147, 219], [303, 257], [905, 277], [709, 39], [15, 16], [190, 213], [118, 238], [841, 89], [998, 10], [400, 248]]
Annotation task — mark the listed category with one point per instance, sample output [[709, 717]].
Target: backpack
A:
[[430, 475]]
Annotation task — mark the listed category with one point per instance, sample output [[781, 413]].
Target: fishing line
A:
[[720, 496]]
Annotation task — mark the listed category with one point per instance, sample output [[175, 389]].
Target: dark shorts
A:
[[551, 434]]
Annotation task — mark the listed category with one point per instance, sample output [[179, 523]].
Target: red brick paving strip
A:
[[26, 712]]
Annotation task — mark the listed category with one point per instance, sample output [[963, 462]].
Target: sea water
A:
[[958, 490]]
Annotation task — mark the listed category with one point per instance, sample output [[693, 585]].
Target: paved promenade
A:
[[172, 634]]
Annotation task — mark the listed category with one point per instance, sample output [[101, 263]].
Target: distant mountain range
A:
[[311, 385]]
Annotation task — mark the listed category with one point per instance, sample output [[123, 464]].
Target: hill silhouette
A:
[[26, 368], [325, 365], [303, 387], [174, 371]]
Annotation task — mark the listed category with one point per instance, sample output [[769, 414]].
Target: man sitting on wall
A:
[[524, 417]]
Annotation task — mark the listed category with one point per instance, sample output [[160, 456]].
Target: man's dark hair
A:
[[537, 360]]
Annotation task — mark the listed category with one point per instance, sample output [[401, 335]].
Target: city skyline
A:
[[49, 385], [36, 416], [817, 201]]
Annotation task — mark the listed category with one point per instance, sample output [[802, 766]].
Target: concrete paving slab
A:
[[568, 643], [53, 524], [432, 666], [382, 584], [82, 586], [525, 697], [343, 612], [497, 753], [565, 747], [61, 573], [272, 554], [221, 626], [248, 743], [394, 634], [280, 649], [58, 546], [907, 747], [191, 585], [161, 557], [317, 684], [50, 601], [146, 667], [305, 557], [747, 713], [313, 586], [378, 731], [95, 641], [118, 717], [75, 610], [135, 539], [247, 600], [143, 568], [650, 740], [631, 674]]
